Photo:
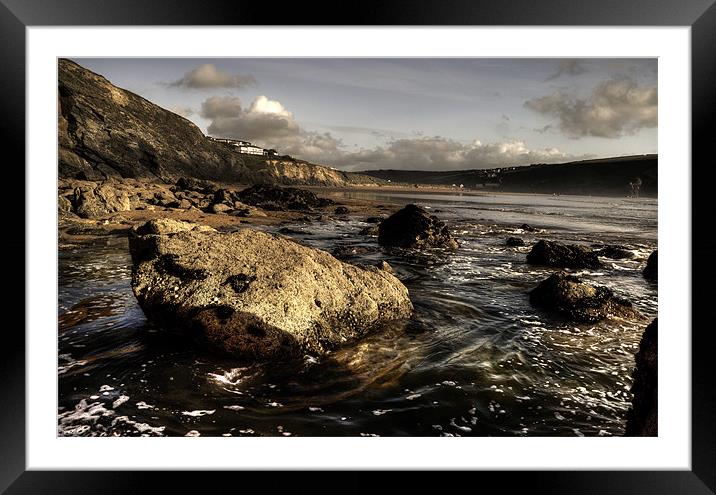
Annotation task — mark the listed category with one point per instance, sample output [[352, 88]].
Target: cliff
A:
[[105, 131]]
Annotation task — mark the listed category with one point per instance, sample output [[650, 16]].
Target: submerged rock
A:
[[514, 242], [343, 252], [414, 227], [257, 295], [642, 418], [614, 252], [96, 201], [562, 255], [578, 300], [278, 198], [652, 267]]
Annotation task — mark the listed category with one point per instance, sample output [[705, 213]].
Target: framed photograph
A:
[[422, 238]]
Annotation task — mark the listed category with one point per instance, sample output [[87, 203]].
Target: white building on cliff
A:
[[244, 146]]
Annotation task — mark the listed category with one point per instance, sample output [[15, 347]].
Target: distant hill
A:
[[105, 131], [600, 177]]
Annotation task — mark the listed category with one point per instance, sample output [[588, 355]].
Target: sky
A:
[[409, 113]]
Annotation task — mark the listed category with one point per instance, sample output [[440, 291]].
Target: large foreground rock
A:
[[278, 198], [642, 418], [579, 301], [257, 295], [414, 227], [562, 255], [651, 271]]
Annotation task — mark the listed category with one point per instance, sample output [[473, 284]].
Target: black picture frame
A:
[[700, 15]]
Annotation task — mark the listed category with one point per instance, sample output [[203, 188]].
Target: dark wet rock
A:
[[528, 228], [224, 196], [342, 210], [276, 198], [562, 255], [256, 295], [614, 252], [196, 185], [371, 230], [514, 242], [292, 231], [579, 301], [414, 227], [96, 201], [642, 417], [652, 266], [343, 252], [374, 219]]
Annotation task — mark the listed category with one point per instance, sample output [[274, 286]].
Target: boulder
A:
[[579, 301], [219, 208], [514, 242], [414, 227], [652, 266], [278, 198], [528, 228], [374, 219], [256, 295], [642, 417], [614, 252], [342, 210], [196, 185], [562, 255], [96, 201]]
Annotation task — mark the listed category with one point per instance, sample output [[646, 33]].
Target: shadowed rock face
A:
[[651, 271], [414, 227], [105, 131], [642, 418], [257, 295], [562, 255], [579, 301]]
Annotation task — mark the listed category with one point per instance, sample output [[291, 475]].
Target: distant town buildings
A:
[[245, 146]]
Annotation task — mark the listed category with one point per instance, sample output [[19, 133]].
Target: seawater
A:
[[476, 360]]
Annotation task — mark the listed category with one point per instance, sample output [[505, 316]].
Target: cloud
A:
[[569, 66], [182, 110], [266, 121], [216, 107], [269, 124], [439, 153], [209, 76], [616, 107]]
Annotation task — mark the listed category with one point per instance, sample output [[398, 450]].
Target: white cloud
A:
[[616, 107], [209, 76]]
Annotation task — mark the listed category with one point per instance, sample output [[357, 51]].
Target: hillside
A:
[[603, 177], [105, 131]]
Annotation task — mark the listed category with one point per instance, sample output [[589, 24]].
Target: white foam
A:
[[199, 412]]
